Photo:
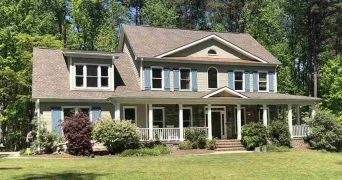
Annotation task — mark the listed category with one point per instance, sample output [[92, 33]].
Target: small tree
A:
[[77, 130], [279, 133], [116, 135], [326, 132], [254, 135]]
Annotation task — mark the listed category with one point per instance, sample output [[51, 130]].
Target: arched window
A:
[[212, 78], [212, 52]]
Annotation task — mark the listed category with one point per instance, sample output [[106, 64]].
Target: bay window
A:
[[92, 76]]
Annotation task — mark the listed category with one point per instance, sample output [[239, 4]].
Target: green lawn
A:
[[290, 165]]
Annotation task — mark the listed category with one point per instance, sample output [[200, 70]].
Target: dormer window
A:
[[92, 76], [212, 52]]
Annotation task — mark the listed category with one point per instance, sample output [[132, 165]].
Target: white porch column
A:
[[117, 111], [150, 121], [289, 117], [298, 115], [181, 138], [210, 133], [264, 114], [238, 118], [313, 111]]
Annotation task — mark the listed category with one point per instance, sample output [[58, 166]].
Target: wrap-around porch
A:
[[168, 122]]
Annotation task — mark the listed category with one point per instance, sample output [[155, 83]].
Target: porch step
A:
[[229, 145]]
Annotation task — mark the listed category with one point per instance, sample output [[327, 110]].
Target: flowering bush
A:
[[77, 130]]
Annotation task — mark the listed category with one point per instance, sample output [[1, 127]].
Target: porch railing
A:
[[300, 130], [143, 133], [166, 134]]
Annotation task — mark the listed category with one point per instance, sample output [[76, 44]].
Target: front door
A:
[[216, 124], [218, 116]]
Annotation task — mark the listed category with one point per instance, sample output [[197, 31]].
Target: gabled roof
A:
[[225, 89], [153, 42]]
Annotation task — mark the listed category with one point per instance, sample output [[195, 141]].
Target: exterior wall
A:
[[141, 121], [201, 50], [75, 60], [107, 110], [135, 63], [202, 76]]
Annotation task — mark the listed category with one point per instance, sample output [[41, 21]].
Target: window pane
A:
[[79, 81], [130, 114], [158, 124], [262, 76], [85, 111], [104, 71], [238, 85], [91, 81], [186, 123], [157, 83], [185, 73], [68, 112], [79, 70], [92, 70], [185, 84], [186, 114], [157, 73], [238, 76], [157, 114], [104, 82], [212, 78], [262, 86]]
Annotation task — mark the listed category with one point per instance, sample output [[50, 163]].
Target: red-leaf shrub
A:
[[77, 130]]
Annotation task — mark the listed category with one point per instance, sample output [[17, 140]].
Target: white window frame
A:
[[162, 77], [191, 119], [135, 112], [212, 54], [76, 107], [180, 79], [243, 80], [268, 114], [162, 108], [235, 117], [208, 78], [267, 81], [98, 77]]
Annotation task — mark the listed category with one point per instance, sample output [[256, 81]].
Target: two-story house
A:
[[166, 80]]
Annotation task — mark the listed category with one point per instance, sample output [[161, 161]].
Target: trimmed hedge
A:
[[155, 151]]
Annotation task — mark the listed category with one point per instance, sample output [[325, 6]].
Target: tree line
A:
[[304, 35]]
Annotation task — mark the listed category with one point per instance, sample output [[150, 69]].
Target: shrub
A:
[[117, 135], [185, 145], [326, 132], [211, 144], [254, 135], [46, 140], [279, 133], [151, 144], [201, 141], [156, 151], [77, 130], [278, 148]]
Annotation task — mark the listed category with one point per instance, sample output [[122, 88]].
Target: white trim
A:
[[162, 76], [141, 74], [225, 89], [191, 119], [235, 117], [221, 111], [243, 80], [135, 112], [71, 74], [275, 80], [180, 78], [221, 40], [110, 86], [112, 75], [216, 75], [76, 107], [268, 114], [162, 108], [267, 81]]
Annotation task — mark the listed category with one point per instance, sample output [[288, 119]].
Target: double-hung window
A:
[[157, 78], [158, 117], [263, 81], [187, 117], [130, 113], [92, 76], [238, 81], [185, 78]]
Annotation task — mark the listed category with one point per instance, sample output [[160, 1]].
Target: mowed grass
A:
[[297, 164]]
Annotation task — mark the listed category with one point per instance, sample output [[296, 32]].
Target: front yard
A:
[[297, 164]]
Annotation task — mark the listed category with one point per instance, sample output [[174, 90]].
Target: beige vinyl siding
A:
[[91, 61], [141, 114], [107, 110], [201, 50], [202, 76]]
